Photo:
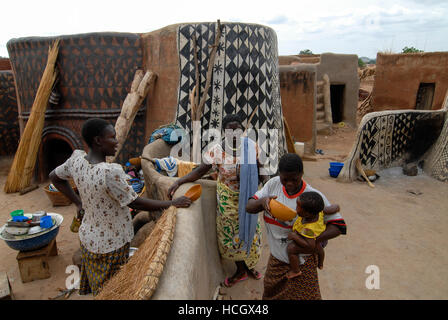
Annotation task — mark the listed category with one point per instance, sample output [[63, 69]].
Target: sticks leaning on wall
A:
[[197, 108], [24, 162], [139, 90]]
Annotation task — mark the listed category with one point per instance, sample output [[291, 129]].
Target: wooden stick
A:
[[211, 63], [250, 118], [361, 170], [289, 140], [196, 71]]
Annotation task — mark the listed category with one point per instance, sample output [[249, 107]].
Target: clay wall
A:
[[398, 77], [298, 93], [5, 64], [9, 124], [160, 56]]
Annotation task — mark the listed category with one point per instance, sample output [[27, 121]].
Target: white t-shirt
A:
[[105, 194], [278, 230]]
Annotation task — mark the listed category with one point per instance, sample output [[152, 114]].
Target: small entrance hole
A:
[[337, 101], [425, 95], [55, 152]]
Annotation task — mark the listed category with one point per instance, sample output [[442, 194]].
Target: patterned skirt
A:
[[304, 287], [227, 229], [96, 268]]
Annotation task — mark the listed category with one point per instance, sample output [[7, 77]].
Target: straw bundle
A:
[[22, 168], [138, 279]]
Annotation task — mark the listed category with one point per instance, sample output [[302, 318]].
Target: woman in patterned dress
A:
[[227, 221], [104, 197]]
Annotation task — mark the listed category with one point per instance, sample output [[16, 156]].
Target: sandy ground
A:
[[389, 226]]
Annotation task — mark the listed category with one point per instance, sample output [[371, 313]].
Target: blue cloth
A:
[[171, 134], [248, 187], [168, 164]]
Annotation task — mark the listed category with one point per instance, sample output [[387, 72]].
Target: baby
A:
[[308, 226]]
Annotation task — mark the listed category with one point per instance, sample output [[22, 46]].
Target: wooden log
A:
[[327, 100], [139, 90], [361, 171], [5, 287]]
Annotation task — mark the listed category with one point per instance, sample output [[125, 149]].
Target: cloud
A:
[[278, 20]]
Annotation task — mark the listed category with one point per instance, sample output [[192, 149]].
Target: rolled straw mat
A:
[[138, 279]]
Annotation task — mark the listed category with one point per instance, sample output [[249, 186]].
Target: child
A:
[[286, 188], [307, 227]]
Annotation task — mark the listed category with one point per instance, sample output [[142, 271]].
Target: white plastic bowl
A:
[[17, 231], [35, 229]]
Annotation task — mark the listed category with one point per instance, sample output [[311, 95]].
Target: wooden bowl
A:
[[136, 161], [194, 192], [280, 211]]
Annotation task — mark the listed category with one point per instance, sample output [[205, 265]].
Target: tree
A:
[[306, 51], [361, 63], [411, 50]]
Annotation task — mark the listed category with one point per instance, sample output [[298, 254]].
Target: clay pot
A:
[[280, 211], [194, 192]]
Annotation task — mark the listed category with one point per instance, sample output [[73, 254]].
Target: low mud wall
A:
[[392, 138], [193, 269]]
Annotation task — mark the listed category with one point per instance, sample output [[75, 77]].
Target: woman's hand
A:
[[182, 202], [79, 212], [173, 189], [265, 203]]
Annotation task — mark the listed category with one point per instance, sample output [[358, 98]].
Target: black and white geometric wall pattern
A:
[[384, 140], [245, 75]]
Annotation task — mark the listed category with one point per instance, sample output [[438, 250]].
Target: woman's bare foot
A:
[[292, 274]]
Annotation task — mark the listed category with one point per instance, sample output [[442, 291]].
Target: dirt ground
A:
[[397, 226]]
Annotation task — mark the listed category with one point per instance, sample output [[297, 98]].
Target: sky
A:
[[362, 27]]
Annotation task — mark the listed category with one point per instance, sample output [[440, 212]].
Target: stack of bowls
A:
[[335, 168]]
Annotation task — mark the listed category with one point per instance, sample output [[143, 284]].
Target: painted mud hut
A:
[[245, 80], [401, 138], [95, 72]]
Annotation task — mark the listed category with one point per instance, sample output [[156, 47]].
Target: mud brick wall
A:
[[298, 92], [398, 77], [9, 124]]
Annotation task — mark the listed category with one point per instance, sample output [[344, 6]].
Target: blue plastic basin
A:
[[33, 242]]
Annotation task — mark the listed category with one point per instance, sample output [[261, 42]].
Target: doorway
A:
[[54, 153], [425, 95], [337, 101]]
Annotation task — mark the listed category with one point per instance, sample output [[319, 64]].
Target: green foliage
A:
[[411, 50], [361, 63], [306, 51]]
